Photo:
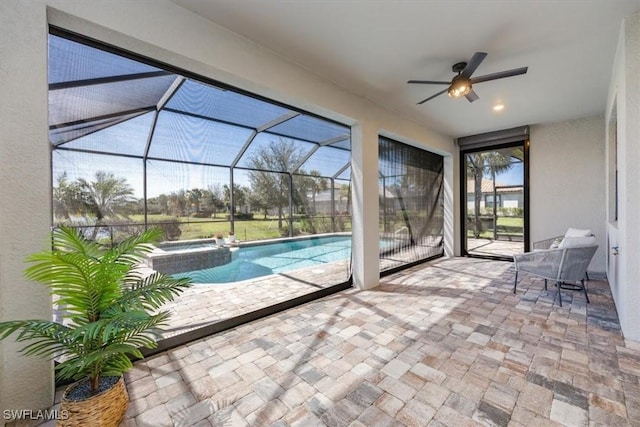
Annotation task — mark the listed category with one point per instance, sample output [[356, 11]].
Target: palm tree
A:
[[68, 198], [106, 195]]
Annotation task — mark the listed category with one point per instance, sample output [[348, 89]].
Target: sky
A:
[[514, 176]]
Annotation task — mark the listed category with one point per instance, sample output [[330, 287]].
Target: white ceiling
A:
[[372, 47]]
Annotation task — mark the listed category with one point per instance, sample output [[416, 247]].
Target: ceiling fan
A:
[[462, 84]]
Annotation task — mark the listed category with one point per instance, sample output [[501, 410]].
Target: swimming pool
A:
[[251, 261]]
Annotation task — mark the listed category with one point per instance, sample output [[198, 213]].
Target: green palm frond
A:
[[107, 304], [116, 357], [72, 241], [152, 291], [45, 338], [132, 326], [71, 369], [131, 250], [110, 352], [115, 365]]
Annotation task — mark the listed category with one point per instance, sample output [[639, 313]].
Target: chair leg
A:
[[584, 289], [545, 284], [515, 283], [586, 274], [559, 294]]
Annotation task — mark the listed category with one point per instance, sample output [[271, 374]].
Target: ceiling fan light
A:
[[458, 90], [460, 86]]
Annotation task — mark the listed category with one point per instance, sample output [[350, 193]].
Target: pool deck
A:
[[488, 247], [204, 304]]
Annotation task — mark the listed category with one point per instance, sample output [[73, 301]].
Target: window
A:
[[411, 204]]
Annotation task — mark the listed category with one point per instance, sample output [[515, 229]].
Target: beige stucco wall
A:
[[24, 192], [624, 98], [165, 32], [567, 174]]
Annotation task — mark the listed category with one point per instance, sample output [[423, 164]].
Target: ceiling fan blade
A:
[[433, 96], [473, 63], [499, 75], [472, 96], [429, 82]]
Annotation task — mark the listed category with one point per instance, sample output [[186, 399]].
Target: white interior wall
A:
[[165, 32], [624, 91], [567, 175]]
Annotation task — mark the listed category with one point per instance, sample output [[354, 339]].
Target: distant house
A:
[[507, 196], [323, 202]]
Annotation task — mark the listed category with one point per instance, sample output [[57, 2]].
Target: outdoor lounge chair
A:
[[564, 262]]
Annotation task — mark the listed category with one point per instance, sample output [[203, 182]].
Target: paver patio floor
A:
[[445, 343], [488, 247]]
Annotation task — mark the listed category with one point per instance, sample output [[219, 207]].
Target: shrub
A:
[[202, 214], [511, 212], [240, 215], [284, 231], [170, 229]]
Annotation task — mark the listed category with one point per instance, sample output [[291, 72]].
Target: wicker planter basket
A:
[[106, 409]]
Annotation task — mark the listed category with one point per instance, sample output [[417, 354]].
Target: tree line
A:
[[109, 196]]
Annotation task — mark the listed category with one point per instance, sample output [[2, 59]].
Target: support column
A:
[[451, 214], [25, 212], [628, 178], [364, 179]]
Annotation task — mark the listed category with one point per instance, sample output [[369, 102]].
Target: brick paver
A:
[[446, 343]]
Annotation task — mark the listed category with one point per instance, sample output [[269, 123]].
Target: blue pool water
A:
[[173, 247], [249, 262]]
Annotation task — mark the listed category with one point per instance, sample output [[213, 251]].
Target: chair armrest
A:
[[545, 244], [576, 261], [541, 263]]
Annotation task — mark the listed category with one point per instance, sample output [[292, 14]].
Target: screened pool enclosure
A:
[[136, 144]]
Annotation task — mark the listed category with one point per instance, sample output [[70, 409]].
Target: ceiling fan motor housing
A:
[[458, 67]]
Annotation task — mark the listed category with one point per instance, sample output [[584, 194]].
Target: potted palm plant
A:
[[111, 309]]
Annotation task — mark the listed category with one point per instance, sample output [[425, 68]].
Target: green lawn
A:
[[255, 229], [244, 229], [511, 221], [199, 228], [507, 226]]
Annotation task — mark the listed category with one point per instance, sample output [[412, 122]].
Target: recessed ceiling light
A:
[[498, 107]]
